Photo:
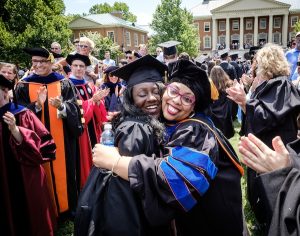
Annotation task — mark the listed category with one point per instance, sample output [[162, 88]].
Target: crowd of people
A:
[[172, 170]]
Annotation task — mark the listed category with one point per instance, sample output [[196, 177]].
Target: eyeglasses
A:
[[186, 99], [83, 46], [34, 62], [129, 57]]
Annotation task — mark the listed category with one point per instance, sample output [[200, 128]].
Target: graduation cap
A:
[[169, 47], [42, 52], [110, 69], [234, 56], [85, 59], [223, 53], [297, 34], [142, 70], [134, 53], [6, 83], [253, 50]]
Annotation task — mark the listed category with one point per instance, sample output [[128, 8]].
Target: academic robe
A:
[[94, 115], [282, 193], [229, 69], [112, 101], [221, 115], [117, 209], [24, 198], [62, 175], [214, 207], [271, 111]]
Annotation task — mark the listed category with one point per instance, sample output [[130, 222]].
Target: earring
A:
[[192, 114]]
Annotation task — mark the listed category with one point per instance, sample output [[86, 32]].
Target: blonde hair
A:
[[220, 78], [87, 41], [11, 66], [271, 62]]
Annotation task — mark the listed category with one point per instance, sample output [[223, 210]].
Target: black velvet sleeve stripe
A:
[[46, 137], [50, 156], [49, 148]]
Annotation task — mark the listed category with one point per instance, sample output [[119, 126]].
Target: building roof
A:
[[204, 9], [106, 20]]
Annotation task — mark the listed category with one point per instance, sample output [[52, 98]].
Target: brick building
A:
[[126, 34], [240, 24]]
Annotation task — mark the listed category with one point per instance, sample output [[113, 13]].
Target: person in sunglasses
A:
[[179, 185], [132, 56]]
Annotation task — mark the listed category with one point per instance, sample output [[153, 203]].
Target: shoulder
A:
[[131, 125]]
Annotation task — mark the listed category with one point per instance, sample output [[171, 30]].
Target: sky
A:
[[143, 9]]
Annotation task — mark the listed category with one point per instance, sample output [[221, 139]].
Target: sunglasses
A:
[[83, 46], [298, 63], [129, 57]]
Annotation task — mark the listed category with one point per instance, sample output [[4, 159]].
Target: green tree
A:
[[27, 23], [297, 26], [170, 22], [118, 6], [103, 44]]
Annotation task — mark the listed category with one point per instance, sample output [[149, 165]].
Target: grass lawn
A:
[[66, 228]]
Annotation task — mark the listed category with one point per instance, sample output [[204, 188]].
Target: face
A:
[[146, 96], [113, 78], [84, 48], [297, 41], [55, 48], [130, 58], [41, 65], [8, 73], [107, 55], [78, 69], [143, 51], [178, 102], [3, 96]]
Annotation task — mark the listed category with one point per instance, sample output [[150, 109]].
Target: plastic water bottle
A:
[[107, 136]]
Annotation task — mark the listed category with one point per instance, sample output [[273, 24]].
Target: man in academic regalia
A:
[[170, 54], [237, 67], [25, 144], [93, 110], [227, 67], [53, 99]]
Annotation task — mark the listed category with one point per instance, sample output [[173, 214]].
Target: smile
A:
[[172, 110]]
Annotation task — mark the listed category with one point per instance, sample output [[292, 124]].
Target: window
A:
[[136, 39], [111, 35], [206, 26], [142, 39], [207, 41], [248, 41], [262, 23], [235, 25], [249, 24], [222, 39], [128, 39], [277, 22], [294, 19], [222, 25], [277, 38]]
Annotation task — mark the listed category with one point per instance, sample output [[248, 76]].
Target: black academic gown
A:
[[238, 69], [118, 211], [271, 111], [282, 193], [222, 115], [229, 69], [217, 212], [72, 127]]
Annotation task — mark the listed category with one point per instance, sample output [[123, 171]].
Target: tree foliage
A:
[[31, 23], [103, 44], [118, 6], [170, 22], [297, 26]]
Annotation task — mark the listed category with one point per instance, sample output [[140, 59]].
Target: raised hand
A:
[[41, 96], [56, 102], [10, 120]]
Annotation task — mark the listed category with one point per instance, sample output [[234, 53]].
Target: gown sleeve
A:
[[73, 118], [37, 146]]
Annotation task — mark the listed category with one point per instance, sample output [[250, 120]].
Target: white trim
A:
[[279, 39], [111, 31], [260, 21], [128, 38], [238, 25], [292, 25], [206, 23], [224, 22], [275, 26], [219, 39], [206, 37], [142, 39], [247, 22]]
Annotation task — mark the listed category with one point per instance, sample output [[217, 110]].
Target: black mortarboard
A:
[[42, 52], [85, 59], [192, 76], [6, 83], [223, 53], [134, 53], [234, 56], [145, 69], [253, 50], [169, 47], [110, 69]]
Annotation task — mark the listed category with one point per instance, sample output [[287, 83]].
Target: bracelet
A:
[[115, 165]]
